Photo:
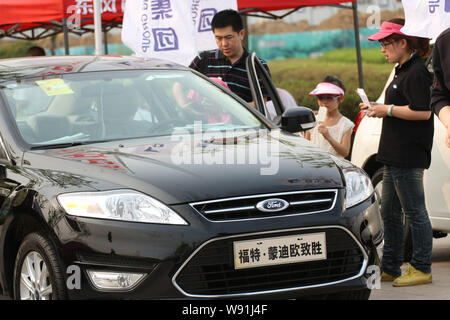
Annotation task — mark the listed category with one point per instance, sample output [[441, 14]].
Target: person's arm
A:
[[308, 135], [179, 95], [253, 104], [402, 112], [444, 116], [416, 90], [440, 92], [343, 147]]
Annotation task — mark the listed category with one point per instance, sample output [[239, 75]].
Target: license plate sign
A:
[[279, 250]]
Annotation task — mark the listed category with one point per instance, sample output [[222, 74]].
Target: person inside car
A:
[[405, 150], [202, 108]]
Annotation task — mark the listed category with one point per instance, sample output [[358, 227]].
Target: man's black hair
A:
[[225, 18], [35, 51]]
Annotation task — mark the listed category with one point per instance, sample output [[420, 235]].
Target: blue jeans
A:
[[403, 189]]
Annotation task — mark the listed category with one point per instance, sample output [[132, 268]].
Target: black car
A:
[[130, 178]]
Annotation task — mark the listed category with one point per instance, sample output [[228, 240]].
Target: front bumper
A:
[[196, 261]]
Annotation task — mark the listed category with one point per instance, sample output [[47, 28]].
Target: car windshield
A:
[[115, 105]]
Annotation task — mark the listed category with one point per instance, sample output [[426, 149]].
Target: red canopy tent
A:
[[17, 16], [31, 19]]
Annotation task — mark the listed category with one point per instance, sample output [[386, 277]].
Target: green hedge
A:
[[300, 76], [349, 55], [15, 49]]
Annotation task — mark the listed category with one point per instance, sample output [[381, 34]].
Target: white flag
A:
[[426, 18], [174, 30], [160, 29], [202, 13]]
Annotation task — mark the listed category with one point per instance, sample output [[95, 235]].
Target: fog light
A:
[[118, 281]]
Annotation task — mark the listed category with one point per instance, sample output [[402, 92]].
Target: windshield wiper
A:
[[68, 144], [60, 145]]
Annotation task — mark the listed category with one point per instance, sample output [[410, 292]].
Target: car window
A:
[[258, 75], [103, 106]]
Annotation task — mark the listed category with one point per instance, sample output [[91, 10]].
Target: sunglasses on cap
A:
[[327, 97]]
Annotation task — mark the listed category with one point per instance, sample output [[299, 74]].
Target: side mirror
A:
[[297, 119]]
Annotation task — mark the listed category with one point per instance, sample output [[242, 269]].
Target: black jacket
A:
[[440, 93]]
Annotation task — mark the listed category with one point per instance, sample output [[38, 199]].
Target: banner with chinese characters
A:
[[202, 13], [426, 19], [171, 29], [110, 9]]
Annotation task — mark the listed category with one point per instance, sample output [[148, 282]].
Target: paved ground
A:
[[438, 290]]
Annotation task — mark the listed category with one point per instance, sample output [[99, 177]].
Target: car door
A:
[[257, 71]]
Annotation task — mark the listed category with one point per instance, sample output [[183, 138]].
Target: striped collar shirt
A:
[[213, 63]]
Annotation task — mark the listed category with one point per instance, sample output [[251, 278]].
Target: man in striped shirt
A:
[[228, 61]]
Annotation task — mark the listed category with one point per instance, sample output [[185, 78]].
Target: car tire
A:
[[377, 180], [37, 272]]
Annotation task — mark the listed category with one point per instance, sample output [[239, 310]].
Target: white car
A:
[[436, 178]]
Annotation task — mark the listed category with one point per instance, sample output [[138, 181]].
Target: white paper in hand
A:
[[364, 99], [321, 115]]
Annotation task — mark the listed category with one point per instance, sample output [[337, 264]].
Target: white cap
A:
[[327, 88]]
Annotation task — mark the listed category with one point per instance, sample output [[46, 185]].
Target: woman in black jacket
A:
[[405, 150]]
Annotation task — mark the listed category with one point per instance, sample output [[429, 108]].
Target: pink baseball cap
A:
[[387, 28], [327, 88]]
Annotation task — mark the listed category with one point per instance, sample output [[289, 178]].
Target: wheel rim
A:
[[35, 281]]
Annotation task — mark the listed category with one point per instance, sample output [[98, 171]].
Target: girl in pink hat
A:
[[405, 151], [333, 134]]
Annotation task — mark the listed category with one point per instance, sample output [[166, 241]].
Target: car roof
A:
[[25, 67]]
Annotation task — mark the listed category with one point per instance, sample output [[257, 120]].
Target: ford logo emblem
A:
[[272, 205]]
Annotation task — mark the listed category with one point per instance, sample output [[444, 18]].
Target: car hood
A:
[[186, 168]]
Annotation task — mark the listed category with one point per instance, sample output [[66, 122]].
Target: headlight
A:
[[358, 185], [124, 205]]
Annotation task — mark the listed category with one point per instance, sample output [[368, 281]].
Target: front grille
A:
[[300, 202], [210, 272]]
